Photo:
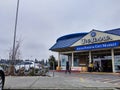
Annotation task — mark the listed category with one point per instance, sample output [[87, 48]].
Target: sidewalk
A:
[[60, 81], [109, 73]]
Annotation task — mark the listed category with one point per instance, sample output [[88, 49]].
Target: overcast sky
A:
[[41, 22]]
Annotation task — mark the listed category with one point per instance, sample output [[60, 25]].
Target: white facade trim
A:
[[113, 58], [72, 59], [90, 57], [58, 59]]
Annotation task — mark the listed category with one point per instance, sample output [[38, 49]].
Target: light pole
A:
[[14, 43], [15, 29]]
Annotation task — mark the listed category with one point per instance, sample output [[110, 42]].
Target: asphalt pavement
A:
[[62, 81]]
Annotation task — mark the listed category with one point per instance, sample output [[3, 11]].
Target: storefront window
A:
[[117, 63], [64, 58], [117, 60], [81, 59], [76, 62]]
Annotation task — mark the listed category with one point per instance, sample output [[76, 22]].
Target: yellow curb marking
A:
[[81, 79]]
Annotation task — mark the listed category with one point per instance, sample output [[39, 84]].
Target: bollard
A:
[[53, 69]]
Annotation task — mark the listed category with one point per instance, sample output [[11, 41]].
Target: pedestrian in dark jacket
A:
[[67, 67]]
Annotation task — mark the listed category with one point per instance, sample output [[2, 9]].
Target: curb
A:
[[100, 73], [82, 88]]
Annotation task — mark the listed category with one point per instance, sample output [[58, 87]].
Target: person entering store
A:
[[96, 67]]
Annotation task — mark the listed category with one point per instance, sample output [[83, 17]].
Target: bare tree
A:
[[17, 52], [17, 56]]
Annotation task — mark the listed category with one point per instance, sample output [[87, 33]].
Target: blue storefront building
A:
[[80, 49]]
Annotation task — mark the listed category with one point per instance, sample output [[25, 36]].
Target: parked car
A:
[[2, 78], [27, 65]]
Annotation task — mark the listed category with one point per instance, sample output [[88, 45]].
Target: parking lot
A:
[[82, 81]]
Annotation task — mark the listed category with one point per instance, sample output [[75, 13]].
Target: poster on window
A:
[[64, 58], [63, 62]]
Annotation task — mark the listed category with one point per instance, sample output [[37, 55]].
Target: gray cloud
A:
[[41, 22]]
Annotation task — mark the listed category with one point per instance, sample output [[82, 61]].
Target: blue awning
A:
[[67, 41], [113, 31]]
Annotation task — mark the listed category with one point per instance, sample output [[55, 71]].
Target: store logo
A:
[[96, 39], [93, 34]]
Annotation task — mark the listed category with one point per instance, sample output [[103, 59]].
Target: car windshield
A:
[[28, 63]]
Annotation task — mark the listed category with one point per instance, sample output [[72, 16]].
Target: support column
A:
[[90, 57], [72, 59], [58, 59], [113, 59]]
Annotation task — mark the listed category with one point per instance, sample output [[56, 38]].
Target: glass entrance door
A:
[[104, 59], [106, 65]]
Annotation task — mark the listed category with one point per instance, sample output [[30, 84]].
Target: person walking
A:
[[95, 66], [67, 67], [98, 67]]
